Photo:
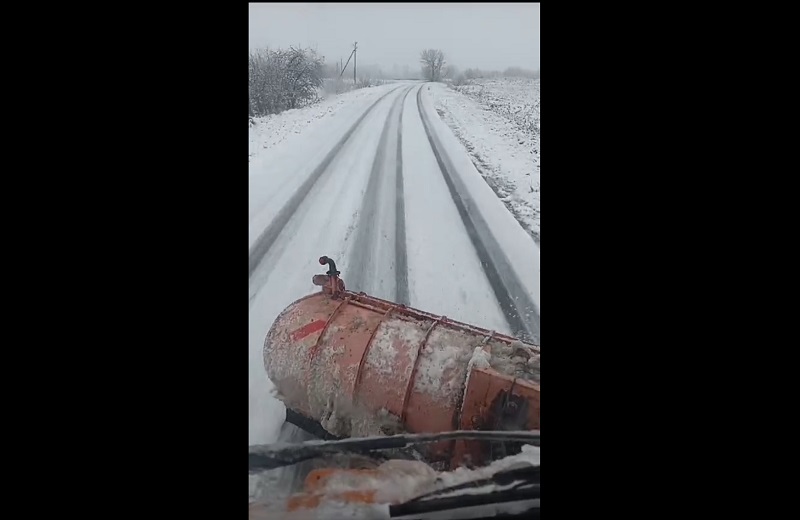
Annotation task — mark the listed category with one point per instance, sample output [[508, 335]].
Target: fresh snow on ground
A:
[[497, 121], [438, 246], [270, 131], [286, 147], [274, 177], [444, 274], [512, 239]]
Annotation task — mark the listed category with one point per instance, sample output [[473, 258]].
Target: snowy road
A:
[[385, 189]]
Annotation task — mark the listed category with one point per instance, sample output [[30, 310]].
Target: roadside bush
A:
[[459, 80], [339, 85], [283, 79]]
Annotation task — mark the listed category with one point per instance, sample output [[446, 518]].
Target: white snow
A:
[[443, 364], [382, 353], [521, 251], [286, 147], [529, 456], [480, 359], [444, 274], [497, 121]]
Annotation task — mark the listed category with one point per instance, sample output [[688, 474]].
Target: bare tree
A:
[[438, 65], [432, 62]]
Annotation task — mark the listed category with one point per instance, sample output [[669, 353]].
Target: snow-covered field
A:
[[310, 174], [497, 121]]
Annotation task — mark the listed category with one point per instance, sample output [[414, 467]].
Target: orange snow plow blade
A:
[[360, 366]]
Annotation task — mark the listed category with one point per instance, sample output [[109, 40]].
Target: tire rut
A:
[[368, 260], [401, 255], [267, 238], [518, 308]]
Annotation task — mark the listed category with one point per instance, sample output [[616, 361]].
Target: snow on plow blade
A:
[[358, 366]]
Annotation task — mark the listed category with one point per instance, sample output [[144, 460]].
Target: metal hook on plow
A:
[[330, 282]]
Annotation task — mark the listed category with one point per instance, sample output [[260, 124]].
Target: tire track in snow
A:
[[265, 240], [401, 255], [517, 305], [374, 254]]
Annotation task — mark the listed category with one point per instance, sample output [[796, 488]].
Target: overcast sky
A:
[[487, 36]]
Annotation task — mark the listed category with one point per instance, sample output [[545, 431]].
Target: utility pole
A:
[[353, 56], [355, 52]]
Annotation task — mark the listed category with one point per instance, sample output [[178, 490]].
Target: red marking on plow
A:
[[311, 328]]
